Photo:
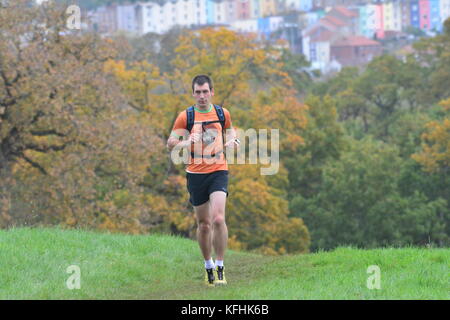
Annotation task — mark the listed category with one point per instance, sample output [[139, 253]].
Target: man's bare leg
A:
[[217, 201], [204, 229]]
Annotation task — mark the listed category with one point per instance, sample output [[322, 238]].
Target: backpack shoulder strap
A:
[[190, 118], [220, 115]]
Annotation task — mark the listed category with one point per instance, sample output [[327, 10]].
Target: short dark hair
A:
[[201, 80]]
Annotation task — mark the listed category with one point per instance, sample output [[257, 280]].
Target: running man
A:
[[202, 128]]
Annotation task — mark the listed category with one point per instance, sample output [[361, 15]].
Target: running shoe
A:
[[221, 281], [209, 277]]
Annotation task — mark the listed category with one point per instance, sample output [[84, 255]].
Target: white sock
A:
[[219, 263], [209, 264]]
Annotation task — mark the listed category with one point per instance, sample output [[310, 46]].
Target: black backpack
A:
[[190, 116]]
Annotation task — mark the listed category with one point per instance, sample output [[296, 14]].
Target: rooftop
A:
[[335, 21], [345, 12], [324, 36], [355, 41]]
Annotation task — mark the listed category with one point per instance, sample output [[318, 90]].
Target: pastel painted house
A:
[[243, 9], [367, 20], [435, 15], [379, 21], [424, 14], [415, 14], [355, 50]]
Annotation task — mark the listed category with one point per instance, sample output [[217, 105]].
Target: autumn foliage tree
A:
[[435, 153], [258, 216], [73, 151], [248, 80]]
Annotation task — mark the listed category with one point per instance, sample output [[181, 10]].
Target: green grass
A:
[[33, 264]]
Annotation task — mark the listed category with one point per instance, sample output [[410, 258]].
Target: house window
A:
[[312, 52]]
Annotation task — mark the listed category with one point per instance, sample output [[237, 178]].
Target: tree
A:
[[259, 215], [432, 54], [41, 82], [323, 141], [435, 154], [295, 66], [370, 101], [378, 85], [65, 127], [137, 81], [361, 204]]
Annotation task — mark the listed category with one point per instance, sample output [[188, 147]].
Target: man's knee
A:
[[204, 226], [219, 220]]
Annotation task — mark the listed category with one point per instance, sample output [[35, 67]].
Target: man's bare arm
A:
[[173, 141], [231, 138]]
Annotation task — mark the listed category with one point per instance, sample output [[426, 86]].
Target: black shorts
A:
[[201, 185]]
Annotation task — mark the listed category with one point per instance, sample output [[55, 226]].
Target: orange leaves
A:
[[293, 142], [445, 103], [259, 215], [280, 110], [175, 184], [173, 210], [435, 154], [136, 80], [231, 59]]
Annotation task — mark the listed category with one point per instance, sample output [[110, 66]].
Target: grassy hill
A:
[[34, 262]]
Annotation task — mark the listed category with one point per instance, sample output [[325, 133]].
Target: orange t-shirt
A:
[[208, 153]]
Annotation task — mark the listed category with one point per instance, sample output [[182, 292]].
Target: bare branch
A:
[[47, 133], [34, 164], [44, 149]]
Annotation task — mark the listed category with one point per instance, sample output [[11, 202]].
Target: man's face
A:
[[202, 94]]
